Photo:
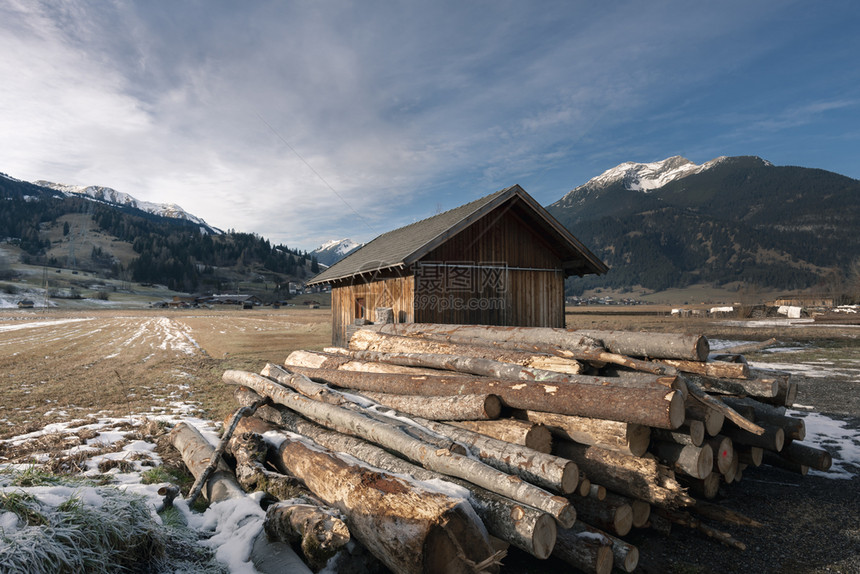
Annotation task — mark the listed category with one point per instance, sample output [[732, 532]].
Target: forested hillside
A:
[[167, 251]]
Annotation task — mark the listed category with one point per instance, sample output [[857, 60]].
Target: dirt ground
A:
[[62, 365]]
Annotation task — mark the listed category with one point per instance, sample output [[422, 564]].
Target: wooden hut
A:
[[499, 260]]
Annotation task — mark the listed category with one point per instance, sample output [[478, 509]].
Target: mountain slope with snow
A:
[[672, 223], [333, 251], [112, 196]]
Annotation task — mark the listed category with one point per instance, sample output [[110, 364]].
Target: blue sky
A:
[[313, 120]]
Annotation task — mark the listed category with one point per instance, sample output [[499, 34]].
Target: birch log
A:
[[525, 527], [196, 453], [691, 460], [613, 514], [625, 555], [628, 438], [319, 533], [535, 436], [542, 469], [560, 342], [657, 407], [636, 477], [468, 365], [695, 409], [367, 340], [409, 529], [440, 460], [457, 408]]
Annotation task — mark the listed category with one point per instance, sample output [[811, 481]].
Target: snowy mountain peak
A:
[[112, 196], [342, 246], [333, 251], [643, 177], [646, 176]]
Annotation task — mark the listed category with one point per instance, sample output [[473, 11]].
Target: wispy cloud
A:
[[396, 108]]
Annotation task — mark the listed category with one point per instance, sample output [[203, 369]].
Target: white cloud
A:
[[395, 108]]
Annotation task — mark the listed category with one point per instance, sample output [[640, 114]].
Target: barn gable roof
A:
[[406, 245]]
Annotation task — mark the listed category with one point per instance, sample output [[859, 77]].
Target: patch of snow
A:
[[835, 437]]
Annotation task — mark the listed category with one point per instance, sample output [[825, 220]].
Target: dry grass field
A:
[[61, 365]]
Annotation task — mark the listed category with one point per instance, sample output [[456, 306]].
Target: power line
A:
[[316, 173]]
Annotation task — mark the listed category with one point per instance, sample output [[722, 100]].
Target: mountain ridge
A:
[[731, 219]]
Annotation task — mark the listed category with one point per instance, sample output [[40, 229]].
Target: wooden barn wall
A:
[[531, 297], [394, 292]]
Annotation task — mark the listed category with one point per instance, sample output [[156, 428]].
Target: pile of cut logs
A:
[[439, 446]]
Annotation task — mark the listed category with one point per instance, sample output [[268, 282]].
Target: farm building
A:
[[499, 260]]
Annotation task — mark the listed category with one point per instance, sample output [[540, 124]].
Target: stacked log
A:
[[556, 442]]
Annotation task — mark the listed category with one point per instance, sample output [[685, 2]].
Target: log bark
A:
[[477, 366], [441, 460], [720, 369], [687, 459], [409, 529], [698, 393], [331, 359], [541, 469], [806, 455], [613, 514], [707, 487], [523, 526], [652, 345], [318, 532], [197, 487], [636, 477], [250, 451], [322, 393], [584, 550], [598, 398], [723, 514], [772, 439], [367, 340], [692, 432], [774, 459], [197, 453], [794, 427], [560, 342], [625, 556], [457, 408], [628, 438], [532, 435], [749, 455], [757, 387]]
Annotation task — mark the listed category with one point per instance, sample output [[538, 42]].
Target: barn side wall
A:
[[394, 292]]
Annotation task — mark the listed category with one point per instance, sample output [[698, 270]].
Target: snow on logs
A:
[[629, 421]]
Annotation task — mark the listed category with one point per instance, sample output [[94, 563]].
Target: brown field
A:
[[64, 365], [61, 365]]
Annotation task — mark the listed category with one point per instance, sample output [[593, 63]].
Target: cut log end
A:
[[630, 559], [544, 536], [677, 410], [570, 478], [623, 520]]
